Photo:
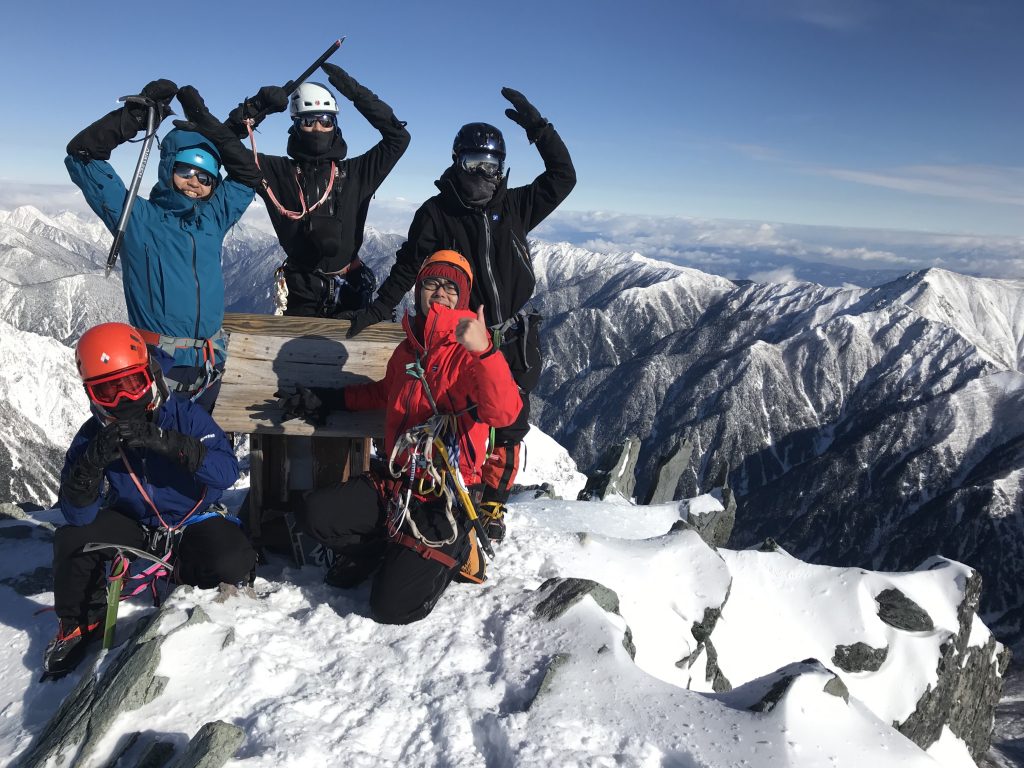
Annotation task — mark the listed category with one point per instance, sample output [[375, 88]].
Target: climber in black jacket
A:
[[477, 215], [317, 199]]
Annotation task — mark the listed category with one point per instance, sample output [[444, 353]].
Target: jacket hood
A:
[[438, 327], [163, 193]]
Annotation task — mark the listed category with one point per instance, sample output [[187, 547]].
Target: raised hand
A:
[[472, 333], [524, 113]]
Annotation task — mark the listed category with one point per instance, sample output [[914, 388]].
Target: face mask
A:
[[130, 410], [315, 142], [475, 189]]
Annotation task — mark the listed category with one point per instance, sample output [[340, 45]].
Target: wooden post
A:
[[256, 470]]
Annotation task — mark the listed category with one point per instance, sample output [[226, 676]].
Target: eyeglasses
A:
[[323, 119], [433, 283], [482, 163], [187, 172], [131, 384]]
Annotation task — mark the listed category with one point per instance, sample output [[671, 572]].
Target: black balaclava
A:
[[473, 188], [316, 145]]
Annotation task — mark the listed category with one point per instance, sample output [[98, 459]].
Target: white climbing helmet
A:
[[312, 97]]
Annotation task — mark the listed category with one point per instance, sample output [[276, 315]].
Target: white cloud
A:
[[989, 184], [784, 275]]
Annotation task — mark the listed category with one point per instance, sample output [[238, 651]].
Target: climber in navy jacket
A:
[[165, 463]]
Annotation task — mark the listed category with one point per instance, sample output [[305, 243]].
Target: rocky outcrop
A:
[[124, 684], [669, 470], [616, 473]]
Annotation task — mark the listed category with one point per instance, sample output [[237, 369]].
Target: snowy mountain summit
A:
[[608, 634]]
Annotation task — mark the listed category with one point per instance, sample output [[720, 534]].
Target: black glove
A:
[[525, 114], [143, 435], [237, 160], [361, 319], [311, 404], [160, 92], [82, 486], [268, 100], [345, 83]]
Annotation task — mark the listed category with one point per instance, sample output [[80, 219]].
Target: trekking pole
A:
[[133, 190], [291, 85]]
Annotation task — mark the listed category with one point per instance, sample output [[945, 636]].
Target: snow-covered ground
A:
[[487, 679]]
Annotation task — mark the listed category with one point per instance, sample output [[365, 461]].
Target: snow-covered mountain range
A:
[[857, 426], [870, 426], [873, 428]]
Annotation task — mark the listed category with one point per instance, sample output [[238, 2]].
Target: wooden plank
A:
[[255, 486], [273, 325], [352, 355], [277, 479], [264, 418], [359, 457], [330, 460], [286, 374]]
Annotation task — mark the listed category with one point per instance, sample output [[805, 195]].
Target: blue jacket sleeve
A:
[[78, 515], [101, 186], [220, 467], [231, 199]]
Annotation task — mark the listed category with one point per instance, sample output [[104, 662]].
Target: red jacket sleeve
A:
[[374, 396], [494, 390]]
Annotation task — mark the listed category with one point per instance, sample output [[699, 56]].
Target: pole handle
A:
[[291, 85]]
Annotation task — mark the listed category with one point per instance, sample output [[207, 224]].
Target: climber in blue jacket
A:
[[171, 254]]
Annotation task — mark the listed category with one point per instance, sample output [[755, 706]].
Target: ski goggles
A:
[[433, 283], [482, 163], [187, 172], [323, 119], [130, 384]]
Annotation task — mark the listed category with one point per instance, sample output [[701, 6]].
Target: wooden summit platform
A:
[[269, 354]]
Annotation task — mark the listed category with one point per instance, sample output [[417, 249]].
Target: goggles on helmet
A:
[[130, 384], [325, 120], [187, 172], [482, 163]]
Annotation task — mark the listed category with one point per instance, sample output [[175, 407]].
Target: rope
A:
[[149, 501], [417, 445], [295, 215]]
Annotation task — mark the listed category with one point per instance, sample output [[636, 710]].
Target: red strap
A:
[[296, 215], [427, 553], [145, 496]]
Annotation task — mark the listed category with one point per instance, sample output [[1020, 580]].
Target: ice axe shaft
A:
[[291, 85], [133, 190]]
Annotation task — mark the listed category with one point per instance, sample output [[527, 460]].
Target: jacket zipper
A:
[[490, 273], [523, 254], [195, 274]]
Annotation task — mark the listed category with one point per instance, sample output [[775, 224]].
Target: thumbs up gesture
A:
[[472, 333]]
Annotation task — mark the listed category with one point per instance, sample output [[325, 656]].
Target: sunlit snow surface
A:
[[312, 680]]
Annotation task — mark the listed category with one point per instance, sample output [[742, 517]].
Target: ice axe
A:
[[291, 85], [140, 169]]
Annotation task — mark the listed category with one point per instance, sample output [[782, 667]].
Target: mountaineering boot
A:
[[492, 515], [347, 572], [67, 649]]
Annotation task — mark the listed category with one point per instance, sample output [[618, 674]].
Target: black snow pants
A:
[[350, 519], [206, 553]]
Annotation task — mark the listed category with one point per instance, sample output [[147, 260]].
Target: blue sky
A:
[[901, 114]]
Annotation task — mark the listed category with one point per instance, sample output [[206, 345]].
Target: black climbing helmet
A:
[[478, 137]]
